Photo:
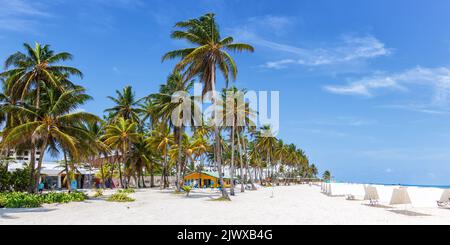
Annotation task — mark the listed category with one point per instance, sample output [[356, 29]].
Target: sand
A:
[[301, 204]]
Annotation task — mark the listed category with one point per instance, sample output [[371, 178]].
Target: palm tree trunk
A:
[[232, 163], [243, 175], [152, 176], [66, 168], [178, 167], [163, 172], [38, 170], [32, 167], [217, 149], [120, 168]]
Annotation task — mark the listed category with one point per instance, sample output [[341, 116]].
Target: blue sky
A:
[[364, 85]]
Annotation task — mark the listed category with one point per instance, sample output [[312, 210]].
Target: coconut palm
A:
[[169, 102], [266, 143], [126, 105], [326, 175], [56, 123], [208, 54], [161, 139], [120, 135], [28, 72]]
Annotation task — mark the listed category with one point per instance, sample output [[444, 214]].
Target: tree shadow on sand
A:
[[6, 213]]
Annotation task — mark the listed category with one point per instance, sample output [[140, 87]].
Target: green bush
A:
[[126, 191], [14, 181], [120, 197], [19, 200], [26, 200], [54, 197]]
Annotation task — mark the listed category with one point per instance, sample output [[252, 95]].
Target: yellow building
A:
[[205, 179]]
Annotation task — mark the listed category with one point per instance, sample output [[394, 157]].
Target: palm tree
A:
[[208, 54], [38, 67], [56, 123], [326, 175], [120, 135], [161, 139], [266, 143], [94, 145], [166, 104], [126, 105]]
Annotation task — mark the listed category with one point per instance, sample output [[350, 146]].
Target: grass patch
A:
[[120, 197]]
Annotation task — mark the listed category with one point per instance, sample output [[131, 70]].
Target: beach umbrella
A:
[[371, 193], [400, 196], [445, 196]]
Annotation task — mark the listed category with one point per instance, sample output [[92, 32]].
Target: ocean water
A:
[[405, 185]]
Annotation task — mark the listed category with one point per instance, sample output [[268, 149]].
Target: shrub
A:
[[18, 180], [27, 200], [120, 197], [19, 200], [54, 197]]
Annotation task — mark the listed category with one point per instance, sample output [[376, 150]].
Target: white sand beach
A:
[[299, 204]]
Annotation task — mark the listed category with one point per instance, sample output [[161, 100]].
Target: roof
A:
[[213, 174], [49, 168]]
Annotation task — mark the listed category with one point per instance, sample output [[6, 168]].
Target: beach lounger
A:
[[374, 202], [350, 197], [443, 204]]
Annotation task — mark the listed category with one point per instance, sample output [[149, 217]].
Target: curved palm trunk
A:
[[218, 152], [232, 163]]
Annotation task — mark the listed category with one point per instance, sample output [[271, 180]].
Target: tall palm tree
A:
[[161, 139], [326, 175], [28, 72], [120, 135], [208, 54], [126, 105], [56, 123], [266, 143], [166, 104]]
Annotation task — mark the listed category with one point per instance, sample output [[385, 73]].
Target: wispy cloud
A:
[[349, 49], [344, 121], [21, 15], [422, 108], [438, 79]]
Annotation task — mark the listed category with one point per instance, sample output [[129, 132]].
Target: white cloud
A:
[[438, 79], [20, 15], [350, 49]]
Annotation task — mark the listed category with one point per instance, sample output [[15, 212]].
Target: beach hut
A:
[[205, 179]]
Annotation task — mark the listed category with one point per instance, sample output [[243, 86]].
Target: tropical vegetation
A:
[[139, 137]]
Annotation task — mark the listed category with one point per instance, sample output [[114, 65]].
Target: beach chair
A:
[[350, 197], [443, 204], [373, 202]]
